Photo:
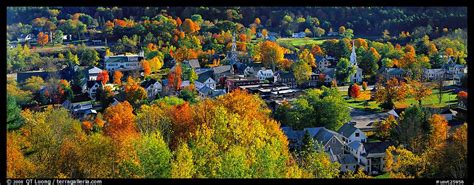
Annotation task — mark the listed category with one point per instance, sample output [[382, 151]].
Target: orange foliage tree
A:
[[146, 68], [103, 76], [120, 121], [317, 51], [118, 77], [355, 91], [174, 78], [42, 39]]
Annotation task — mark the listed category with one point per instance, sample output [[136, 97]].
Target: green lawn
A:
[[430, 101], [383, 176], [297, 42]]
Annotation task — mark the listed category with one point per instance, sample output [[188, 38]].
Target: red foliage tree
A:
[[103, 76], [355, 91]]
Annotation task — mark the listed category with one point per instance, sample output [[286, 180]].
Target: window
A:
[[357, 134]]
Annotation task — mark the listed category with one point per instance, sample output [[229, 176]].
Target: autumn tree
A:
[[146, 68], [354, 91], [118, 77], [174, 78], [182, 165], [317, 51], [189, 26], [384, 127], [43, 39], [103, 76], [418, 90], [33, 84], [134, 93], [269, 53], [120, 121], [307, 57], [402, 163], [455, 162], [18, 165], [302, 71], [257, 21], [364, 85], [342, 30], [369, 62], [390, 92], [285, 64]]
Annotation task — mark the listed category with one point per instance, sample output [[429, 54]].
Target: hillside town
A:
[[369, 107]]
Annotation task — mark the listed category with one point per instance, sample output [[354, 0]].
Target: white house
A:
[[351, 133], [152, 88], [298, 35], [93, 73], [264, 74], [205, 80], [123, 62], [91, 88], [434, 74]]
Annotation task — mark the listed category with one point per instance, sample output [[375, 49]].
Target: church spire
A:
[[353, 57]]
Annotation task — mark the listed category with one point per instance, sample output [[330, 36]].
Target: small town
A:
[[229, 92]]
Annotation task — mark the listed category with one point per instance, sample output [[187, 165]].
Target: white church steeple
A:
[[353, 58]]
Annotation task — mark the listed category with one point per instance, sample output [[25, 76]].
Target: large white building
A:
[[357, 77], [118, 62]]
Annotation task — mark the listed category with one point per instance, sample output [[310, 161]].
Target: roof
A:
[[313, 131], [347, 129], [122, 58], [364, 120], [376, 147], [324, 135], [148, 83], [331, 72], [285, 75], [346, 159], [267, 71], [185, 83], [203, 77], [194, 63], [354, 145], [94, 70], [293, 134], [221, 69], [395, 71], [217, 92], [205, 90]]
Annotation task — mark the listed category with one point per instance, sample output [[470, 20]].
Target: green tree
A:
[[344, 70], [301, 71], [89, 57], [58, 37], [413, 129], [14, 119], [154, 156]]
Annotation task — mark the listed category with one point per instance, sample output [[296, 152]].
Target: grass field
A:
[[297, 42], [430, 101], [383, 176]]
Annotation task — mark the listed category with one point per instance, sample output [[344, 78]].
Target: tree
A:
[[71, 59], [301, 71], [120, 121], [42, 39], [402, 163], [455, 161], [257, 21], [344, 70], [307, 57], [389, 92], [413, 129], [418, 90], [360, 42], [18, 166], [432, 50], [118, 77], [189, 26], [182, 166], [14, 119], [354, 91], [174, 78], [462, 96], [319, 31], [317, 51], [134, 93], [58, 37], [285, 64], [364, 85], [387, 62], [65, 91], [384, 127], [146, 68], [264, 33], [318, 163], [369, 62], [103, 76], [33, 84], [269, 53], [342, 30], [89, 57], [154, 156]]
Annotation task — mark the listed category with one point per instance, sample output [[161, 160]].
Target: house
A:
[[205, 79], [251, 71], [448, 114], [222, 71], [91, 88], [329, 74], [357, 77], [375, 154], [152, 88], [240, 80], [113, 63], [79, 109], [348, 162], [184, 84], [322, 62], [389, 73], [207, 92], [286, 78], [193, 63], [298, 35], [263, 74], [331, 33], [352, 133], [93, 73], [365, 121], [434, 74]]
